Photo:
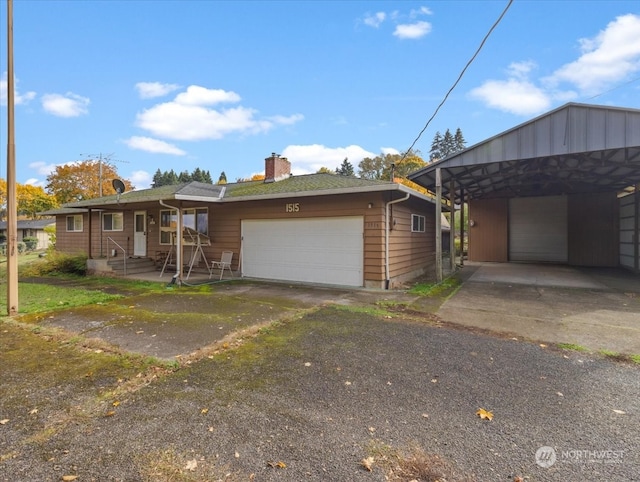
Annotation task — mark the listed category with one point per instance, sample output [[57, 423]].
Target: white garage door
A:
[[320, 250], [538, 229]]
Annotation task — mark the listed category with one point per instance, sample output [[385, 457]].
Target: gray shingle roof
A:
[[310, 184], [31, 223]]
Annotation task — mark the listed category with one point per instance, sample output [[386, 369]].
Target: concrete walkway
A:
[[596, 309]]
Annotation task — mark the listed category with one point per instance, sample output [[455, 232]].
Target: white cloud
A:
[[517, 96], [17, 97], [412, 30], [67, 105], [153, 145], [189, 118], [149, 90], [141, 179], [374, 20], [610, 57], [196, 95], [42, 168], [389, 150], [420, 11], [32, 181], [308, 159]]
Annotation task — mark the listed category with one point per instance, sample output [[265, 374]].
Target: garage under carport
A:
[[561, 188]]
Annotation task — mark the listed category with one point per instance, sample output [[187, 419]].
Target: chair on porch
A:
[[224, 263]]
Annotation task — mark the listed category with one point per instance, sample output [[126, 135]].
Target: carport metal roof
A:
[[576, 148]]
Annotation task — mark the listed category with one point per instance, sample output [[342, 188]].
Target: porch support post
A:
[[89, 253], [452, 222], [438, 225], [462, 226]]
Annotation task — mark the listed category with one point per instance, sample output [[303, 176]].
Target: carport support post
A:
[[462, 225], [452, 225], [438, 225]]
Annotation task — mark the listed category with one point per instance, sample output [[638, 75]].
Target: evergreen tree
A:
[[184, 176], [434, 153], [448, 144], [345, 169], [197, 175], [458, 141], [206, 176], [223, 178], [157, 179]]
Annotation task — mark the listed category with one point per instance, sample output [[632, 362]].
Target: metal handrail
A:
[[124, 254]]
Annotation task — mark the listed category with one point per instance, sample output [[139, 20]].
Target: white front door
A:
[[140, 233]]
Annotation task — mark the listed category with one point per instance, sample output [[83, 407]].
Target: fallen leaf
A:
[[517, 478], [225, 345], [237, 455], [110, 413], [425, 415], [116, 403], [191, 465], [347, 382], [210, 429], [278, 465], [97, 351], [542, 345], [33, 412], [434, 380], [204, 411], [4, 421], [68, 478], [619, 412], [367, 463], [560, 394], [484, 414], [139, 332], [307, 364]]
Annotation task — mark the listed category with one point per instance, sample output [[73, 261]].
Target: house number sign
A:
[[292, 207]]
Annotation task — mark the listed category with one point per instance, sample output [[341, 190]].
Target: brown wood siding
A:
[[72, 242], [225, 223], [411, 251], [593, 229], [488, 237]]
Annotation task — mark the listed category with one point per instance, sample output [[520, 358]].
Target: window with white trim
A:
[[194, 218], [112, 222], [74, 223], [417, 223]]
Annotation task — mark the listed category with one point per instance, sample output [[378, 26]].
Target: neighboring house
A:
[[317, 228], [561, 188], [33, 228]]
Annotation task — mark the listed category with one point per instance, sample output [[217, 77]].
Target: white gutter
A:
[[178, 239], [386, 237]]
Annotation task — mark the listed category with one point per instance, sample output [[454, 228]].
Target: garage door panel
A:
[[328, 250], [538, 229]]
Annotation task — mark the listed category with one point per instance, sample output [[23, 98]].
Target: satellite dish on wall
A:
[[118, 185]]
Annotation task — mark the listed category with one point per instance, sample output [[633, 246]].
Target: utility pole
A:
[[12, 208]]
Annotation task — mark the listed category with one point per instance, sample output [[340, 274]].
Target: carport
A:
[[561, 188]]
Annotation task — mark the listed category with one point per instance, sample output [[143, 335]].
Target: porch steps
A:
[[134, 265]]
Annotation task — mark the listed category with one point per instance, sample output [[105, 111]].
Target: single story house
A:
[[316, 228], [561, 188], [30, 228]]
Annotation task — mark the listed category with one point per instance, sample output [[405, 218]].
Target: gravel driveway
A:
[[310, 398]]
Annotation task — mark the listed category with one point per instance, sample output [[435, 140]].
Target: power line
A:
[[486, 37]]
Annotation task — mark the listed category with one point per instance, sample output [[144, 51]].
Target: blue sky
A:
[[220, 85]]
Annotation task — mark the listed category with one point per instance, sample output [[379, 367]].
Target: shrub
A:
[[30, 242], [58, 263], [3, 239], [21, 247]]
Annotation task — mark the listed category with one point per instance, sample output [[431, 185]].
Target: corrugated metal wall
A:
[[629, 235]]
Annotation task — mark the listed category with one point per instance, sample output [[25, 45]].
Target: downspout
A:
[[178, 239], [386, 237]]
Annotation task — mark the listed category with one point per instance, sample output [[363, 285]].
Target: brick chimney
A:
[[276, 168]]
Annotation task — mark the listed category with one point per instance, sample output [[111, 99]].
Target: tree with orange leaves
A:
[[83, 180]]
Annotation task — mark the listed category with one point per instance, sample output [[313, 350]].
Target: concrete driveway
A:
[[598, 309]]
